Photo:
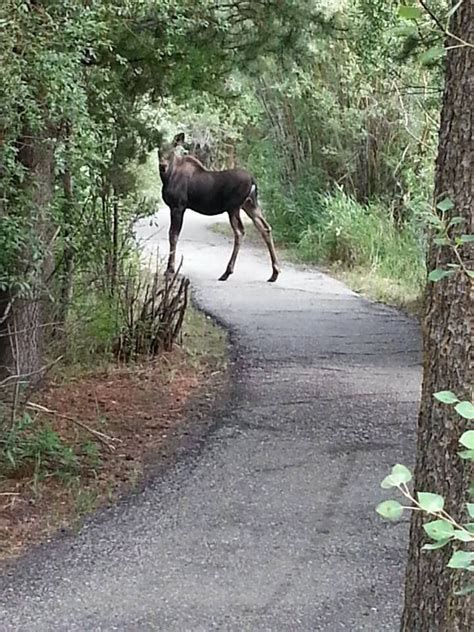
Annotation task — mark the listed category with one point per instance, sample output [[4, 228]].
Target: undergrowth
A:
[[364, 244], [361, 243], [32, 449]]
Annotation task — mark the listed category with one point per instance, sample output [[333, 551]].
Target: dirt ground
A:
[[137, 412]]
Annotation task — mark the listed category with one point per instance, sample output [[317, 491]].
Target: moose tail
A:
[[253, 195]]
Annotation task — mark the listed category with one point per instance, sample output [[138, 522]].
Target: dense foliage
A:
[[349, 140], [329, 104], [82, 82], [341, 136], [88, 89]]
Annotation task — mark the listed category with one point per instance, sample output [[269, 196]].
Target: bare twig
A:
[[22, 378], [100, 436], [7, 311], [154, 313], [444, 29], [26, 330]]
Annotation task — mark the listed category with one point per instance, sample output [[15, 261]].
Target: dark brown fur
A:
[[188, 184]]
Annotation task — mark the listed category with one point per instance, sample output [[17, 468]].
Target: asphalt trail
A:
[[270, 526]]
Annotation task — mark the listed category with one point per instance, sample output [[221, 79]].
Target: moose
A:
[[188, 184]]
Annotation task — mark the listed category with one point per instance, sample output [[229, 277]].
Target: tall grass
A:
[[362, 243], [340, 230]]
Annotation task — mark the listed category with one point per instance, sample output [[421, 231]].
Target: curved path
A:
[[271, 526]]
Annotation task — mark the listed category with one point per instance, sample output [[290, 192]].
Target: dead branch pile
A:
[[153, 312]]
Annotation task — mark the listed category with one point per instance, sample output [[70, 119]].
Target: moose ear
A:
[[178, 140]]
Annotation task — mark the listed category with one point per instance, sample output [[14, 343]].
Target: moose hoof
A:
[[225, 276], [274, 276]]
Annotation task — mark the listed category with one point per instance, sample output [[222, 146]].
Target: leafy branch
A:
[[445, 28], [429, 29], [444, 238], [443, 528]]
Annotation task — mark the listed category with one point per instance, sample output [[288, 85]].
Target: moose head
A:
[[167, 152]]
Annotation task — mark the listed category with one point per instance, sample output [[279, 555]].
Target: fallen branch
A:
[[100, 436]]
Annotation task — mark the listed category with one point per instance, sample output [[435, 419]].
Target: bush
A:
[[377, 253], [342, 231], [36, 450]]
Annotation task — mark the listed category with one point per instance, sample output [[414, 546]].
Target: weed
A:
[[355, 236], [37, 451], [86, 501], [203, 339], [93, 323], [91, 455], [362, 244]]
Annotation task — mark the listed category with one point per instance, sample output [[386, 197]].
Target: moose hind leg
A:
[[239, 232], [265, 230]]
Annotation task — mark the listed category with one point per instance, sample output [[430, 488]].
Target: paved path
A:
[[272, 526]]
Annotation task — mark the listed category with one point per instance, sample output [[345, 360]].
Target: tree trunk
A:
[[67, 272], [115, 245], [430, 603], [21, 332]]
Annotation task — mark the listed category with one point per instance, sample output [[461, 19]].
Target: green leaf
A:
[[434, 220], [400, 474], [467, 590], [445, 205], [390, 509], [470, 509], [446, 397], [470, 273], [388, 482], [461, 559], [466, 239], [438, 274], [469, 526], [467, 439], [436, 545], [441, 241], [467, 455], [439, 530], [430, 502], [455, 221], [463, 536], [409, 13], [432, 54], [466, 410]]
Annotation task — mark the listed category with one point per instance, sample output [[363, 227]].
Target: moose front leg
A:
[[176, 224]]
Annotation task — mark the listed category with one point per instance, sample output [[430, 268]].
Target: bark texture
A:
[[21, 332], [430, 603]]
